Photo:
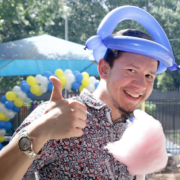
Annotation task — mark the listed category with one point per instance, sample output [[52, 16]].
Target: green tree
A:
[[165, 82], [25, 18], [7, 83]]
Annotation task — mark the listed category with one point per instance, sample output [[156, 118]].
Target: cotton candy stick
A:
[[142, 147]]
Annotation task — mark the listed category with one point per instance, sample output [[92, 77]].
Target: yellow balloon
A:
[[85, 82], [63, 80], [31, 80], [85, 75], [35, 89], [2, 139], [2, 116], [59, 73], [81, 88], [39, 93], [18, 102], [6, 119], [11, 96]]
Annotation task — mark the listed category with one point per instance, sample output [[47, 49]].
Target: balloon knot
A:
[[85, 48]]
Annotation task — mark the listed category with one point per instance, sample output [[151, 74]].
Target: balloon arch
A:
[[12, 101]]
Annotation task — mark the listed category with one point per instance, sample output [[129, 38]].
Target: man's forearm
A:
[[13, 162]]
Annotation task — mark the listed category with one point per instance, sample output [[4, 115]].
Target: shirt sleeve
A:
[[37, 113]]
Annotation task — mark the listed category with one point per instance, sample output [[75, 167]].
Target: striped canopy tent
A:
[[35, 55]]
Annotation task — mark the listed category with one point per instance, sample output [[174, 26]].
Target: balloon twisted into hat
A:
[[160, 50]]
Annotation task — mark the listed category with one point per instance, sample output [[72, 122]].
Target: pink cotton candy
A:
[[142, 147]]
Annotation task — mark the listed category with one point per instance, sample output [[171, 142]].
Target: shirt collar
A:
[[91, 100]]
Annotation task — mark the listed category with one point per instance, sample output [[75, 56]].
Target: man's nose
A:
[[140, 83]]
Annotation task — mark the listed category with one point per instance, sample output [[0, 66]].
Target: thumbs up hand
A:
[[63, 118]]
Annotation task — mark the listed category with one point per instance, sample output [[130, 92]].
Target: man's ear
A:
[[103, 68]]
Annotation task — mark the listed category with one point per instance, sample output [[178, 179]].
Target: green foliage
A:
[[7, 83], [25, 18], [150, 108], [165, 82]]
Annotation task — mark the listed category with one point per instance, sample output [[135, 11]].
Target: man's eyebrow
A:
[[133, 65], [152, 72]]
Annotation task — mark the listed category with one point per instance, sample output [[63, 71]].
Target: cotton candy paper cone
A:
[[142, 147]]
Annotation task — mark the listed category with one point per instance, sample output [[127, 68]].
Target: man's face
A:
[[130, 80]]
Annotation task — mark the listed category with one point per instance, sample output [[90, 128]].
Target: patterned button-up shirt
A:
[[81, 157]]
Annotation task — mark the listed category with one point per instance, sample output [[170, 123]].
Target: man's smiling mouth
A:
[[132, 95]]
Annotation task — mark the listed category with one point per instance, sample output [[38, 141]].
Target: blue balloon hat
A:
[[160, 50]]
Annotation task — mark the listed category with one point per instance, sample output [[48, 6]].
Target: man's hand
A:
[[63, 118]]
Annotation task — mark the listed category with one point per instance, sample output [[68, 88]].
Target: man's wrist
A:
[[37, 134]]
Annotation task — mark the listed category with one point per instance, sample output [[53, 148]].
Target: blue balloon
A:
[[76, 85], [8, 126], [96, 85], [2, 125], [47, 74], [79, 77], [25, 87], [50, 86], [112, 19], [136, 45], [16, 109], [9, 104], [1, 146], [3, 99], [22, 82], [75, 72], [30, 95]]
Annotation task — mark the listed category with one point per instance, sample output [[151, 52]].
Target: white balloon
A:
[[2, 107], [44, 81], [90, 87], [38, 78], [2, 132], [67, 86], [70, 78], [67, 71], [22, 95], [97, 80], [16, 89], [10, 114], [5, 110], [92, 80], [43, 89]]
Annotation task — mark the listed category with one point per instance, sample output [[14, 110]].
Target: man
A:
[[71, 141]]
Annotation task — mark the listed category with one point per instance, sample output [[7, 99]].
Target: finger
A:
[[77, 105], [79, 114], [78, 132], [81, 124], [57, 89]]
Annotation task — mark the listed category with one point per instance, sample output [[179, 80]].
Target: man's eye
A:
[[131, 70], [149, 76]]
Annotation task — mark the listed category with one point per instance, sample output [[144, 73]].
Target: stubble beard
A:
[[125, 114]]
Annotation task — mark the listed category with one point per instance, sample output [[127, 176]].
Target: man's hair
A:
[[111, 55]]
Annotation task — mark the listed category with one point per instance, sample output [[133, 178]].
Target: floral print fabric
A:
[[84, 157]]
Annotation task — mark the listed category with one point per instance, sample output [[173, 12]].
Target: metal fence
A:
[[166, 111]]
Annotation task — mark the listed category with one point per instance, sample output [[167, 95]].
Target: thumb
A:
[[57, 89]]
